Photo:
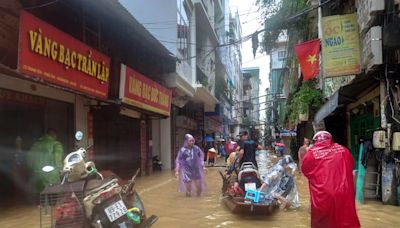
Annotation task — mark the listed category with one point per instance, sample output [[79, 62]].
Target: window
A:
[[183, 28], [281, 55]]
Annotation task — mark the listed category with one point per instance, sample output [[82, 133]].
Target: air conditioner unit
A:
[[372, 48], [366, 11], [375, 6]]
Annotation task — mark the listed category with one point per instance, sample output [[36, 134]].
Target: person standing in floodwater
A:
[[302, 151], [189, 168], [328, 167]]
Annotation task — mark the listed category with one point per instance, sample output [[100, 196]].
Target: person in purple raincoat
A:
[[190, 168]]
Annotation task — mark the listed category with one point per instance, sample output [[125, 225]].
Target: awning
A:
[[346, 94]]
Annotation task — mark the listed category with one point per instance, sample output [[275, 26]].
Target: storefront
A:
[[124, 135], [57, 79]]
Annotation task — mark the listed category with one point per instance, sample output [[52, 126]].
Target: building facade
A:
[[65, 66]]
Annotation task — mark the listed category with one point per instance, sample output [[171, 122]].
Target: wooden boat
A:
[[241, 206]]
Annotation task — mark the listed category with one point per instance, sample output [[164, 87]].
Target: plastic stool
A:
[[252, 195]]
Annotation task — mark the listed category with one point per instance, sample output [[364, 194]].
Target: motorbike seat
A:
[[95, 185], [247, 169]]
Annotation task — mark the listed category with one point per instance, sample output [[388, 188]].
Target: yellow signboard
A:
[[340, 45]]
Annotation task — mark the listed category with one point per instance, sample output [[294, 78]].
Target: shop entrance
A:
[[23, 119], [116, 142]]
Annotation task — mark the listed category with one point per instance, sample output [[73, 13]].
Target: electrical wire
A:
[[41, 5], [389, 96]]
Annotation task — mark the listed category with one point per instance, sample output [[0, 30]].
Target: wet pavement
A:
[[159, 195]]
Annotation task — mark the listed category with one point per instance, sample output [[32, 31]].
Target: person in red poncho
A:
[[329, 169]]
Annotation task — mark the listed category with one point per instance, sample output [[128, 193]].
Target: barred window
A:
[[183, 28]]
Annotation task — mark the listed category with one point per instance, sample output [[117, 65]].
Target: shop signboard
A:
[[139, 91], [340, 45], [58, 58], [23, 99]]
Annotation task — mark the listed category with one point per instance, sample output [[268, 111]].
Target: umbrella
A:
[[208, 138]]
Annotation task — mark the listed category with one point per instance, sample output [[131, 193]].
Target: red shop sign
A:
[[58, 58], [138, 90]]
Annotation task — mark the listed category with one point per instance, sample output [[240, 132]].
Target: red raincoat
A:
[[329, 169]]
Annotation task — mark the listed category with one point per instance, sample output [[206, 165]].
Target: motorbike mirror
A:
[[48, 168], [78, 135]]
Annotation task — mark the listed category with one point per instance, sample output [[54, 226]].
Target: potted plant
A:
[[305, 103]]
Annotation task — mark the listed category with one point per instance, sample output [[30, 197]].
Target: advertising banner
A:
[[340, 45], [58, 58], [139, 91]]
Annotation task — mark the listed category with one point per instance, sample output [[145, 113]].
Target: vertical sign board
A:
[[58, 58], [340, 45], [143, 147]]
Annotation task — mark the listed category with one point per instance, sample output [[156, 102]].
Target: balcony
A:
[[205, 19], [246, 84]]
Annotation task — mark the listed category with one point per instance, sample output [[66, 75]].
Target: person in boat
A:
[[232, 172], [248, 147], [280, 183], [190, 168], [328, 167], [230, 146]]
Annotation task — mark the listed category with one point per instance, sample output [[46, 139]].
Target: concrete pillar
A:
[[165, 143], [81, 120]]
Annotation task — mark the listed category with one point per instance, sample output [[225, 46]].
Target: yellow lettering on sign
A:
[[32, 39], [164, 99], [39, 48], [54, 50], [154, 95], [67, 61], [61, 54], [46, 47], [135, 86], [73, 59], [79, 61]]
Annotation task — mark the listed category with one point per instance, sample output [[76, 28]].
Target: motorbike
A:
[[248, 200], [89, 198], [157, 164]]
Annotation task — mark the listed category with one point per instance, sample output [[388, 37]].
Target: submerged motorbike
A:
[[157, 164], [247, 200], [87, 198]]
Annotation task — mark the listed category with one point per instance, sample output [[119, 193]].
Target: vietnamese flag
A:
[[308, 56]]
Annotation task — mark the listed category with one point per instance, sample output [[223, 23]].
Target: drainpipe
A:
[[320, 34]]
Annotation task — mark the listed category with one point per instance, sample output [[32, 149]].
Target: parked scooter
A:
[[85, 198], [157, 164]]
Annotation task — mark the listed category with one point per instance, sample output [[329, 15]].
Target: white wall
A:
[[155, 136], [275, 62], [165, 143], [159, 17]]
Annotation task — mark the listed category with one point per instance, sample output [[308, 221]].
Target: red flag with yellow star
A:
[[308, 56]]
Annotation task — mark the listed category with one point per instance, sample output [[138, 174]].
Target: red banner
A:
[[58, 58], [138, 90]]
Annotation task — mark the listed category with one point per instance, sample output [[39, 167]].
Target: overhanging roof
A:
[[347, 94]]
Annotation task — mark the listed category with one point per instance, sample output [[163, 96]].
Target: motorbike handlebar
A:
[[65, 177]]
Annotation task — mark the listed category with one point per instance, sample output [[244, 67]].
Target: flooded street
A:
[[160, 197], [174, 209]]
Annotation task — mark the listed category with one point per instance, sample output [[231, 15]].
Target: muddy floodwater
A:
[[175, 210]]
